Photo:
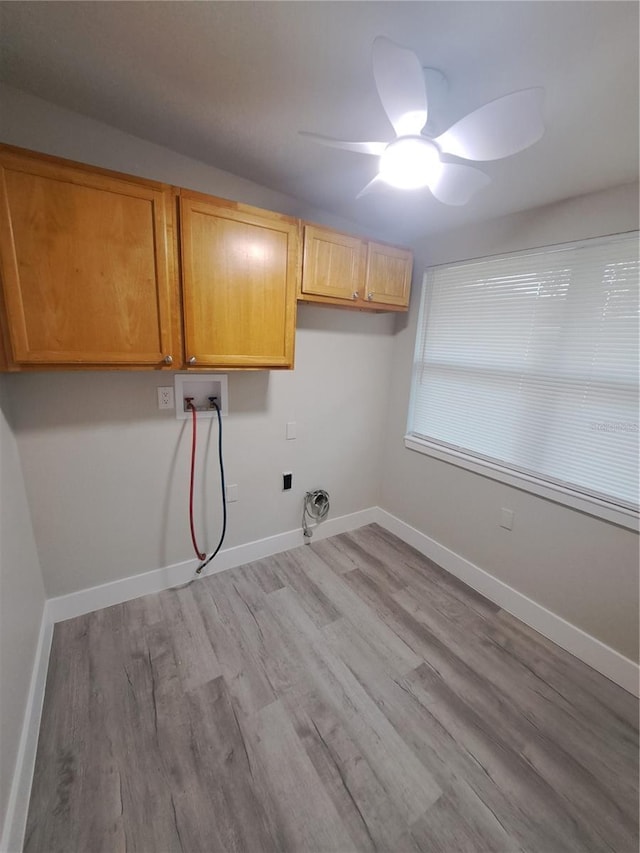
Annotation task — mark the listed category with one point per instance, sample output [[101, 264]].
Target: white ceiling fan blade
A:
[[370, 186], [400, 83], [375, 148], [498, 129], [455, 183]]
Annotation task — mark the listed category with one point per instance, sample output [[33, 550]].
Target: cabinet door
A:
[[388, 275], [240, 267], [333, 265], [86, 265]]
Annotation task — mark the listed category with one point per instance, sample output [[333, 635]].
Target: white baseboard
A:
[[596, 654], [18, 805], [126, 589]]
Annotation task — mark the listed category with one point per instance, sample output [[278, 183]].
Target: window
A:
[[528, 364]]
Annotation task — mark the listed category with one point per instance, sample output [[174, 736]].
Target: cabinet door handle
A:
[[168, 359], [192, 360], [355, 294], [369, 296]]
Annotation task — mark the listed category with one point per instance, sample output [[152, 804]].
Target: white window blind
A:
[[530, 361]]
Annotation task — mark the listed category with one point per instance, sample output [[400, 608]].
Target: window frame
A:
[[549, 489]]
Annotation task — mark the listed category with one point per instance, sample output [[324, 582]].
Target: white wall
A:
[[21, 603], [106, 473], [581, 568]]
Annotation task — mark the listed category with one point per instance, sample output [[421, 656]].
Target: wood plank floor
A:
[[344, 696]]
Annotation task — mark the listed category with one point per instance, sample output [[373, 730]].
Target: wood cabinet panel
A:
[[86, 265], [333, 264], [388, 275], [240, 268]]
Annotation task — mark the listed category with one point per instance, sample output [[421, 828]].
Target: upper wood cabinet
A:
[[102, 270], [240, 269], [91, 263], [333, 264], [339, 269], [87, 265], [388, 275]]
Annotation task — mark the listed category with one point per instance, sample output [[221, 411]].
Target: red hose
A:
[[199, 554]]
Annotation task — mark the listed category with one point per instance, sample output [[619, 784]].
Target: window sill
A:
[[551, 491]]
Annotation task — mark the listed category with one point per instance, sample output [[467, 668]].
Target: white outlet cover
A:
[[165, 397]]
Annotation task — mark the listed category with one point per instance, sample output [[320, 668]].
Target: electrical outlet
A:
[[165, 398]]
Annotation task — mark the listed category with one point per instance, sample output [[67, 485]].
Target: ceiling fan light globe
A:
[[410, 162]]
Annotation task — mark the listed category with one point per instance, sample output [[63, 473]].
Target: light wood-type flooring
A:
[[343, 696]]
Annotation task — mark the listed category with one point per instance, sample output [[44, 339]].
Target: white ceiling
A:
[[231, 83]]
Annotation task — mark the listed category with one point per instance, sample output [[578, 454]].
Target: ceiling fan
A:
[[413, 160]]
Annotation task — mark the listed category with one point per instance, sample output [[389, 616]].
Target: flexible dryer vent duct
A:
[[316, 507]]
